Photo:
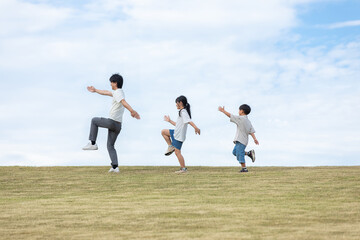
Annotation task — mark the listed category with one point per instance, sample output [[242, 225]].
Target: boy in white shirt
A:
[[113, 123], [244, 129]]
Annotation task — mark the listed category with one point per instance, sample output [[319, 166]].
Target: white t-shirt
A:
[[244, 128], [117, 109], [181, 125]]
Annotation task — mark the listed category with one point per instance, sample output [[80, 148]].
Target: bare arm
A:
[[167, 119], [222, 109], [197, 130], [255, 140], [133, 113], [101, 92]]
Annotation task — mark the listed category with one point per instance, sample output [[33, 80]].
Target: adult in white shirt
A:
[[113, 123]]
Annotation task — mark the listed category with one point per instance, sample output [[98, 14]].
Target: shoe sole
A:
[[169, 153], [253, 154]]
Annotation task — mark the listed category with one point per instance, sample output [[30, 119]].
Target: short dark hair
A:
[[118, 79], [246, 108]]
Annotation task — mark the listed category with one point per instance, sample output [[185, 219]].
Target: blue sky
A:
[[296, 63]]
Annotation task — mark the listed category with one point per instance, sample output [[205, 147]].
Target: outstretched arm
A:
[[222, 109], [101, 92], [197, 130], [133, 113], [167, 119], [255, 140]]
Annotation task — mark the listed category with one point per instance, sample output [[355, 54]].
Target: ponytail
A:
[[187, 107], [184, 101]]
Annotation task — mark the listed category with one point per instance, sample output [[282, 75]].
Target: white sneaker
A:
[[112, 170], [89, 146], [170, 150], [182, 170], [252, 155]]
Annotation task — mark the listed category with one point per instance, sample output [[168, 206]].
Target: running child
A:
[[244, 129], [114, 122], [175, 138]]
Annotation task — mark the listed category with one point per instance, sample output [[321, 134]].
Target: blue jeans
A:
[[239, 152]]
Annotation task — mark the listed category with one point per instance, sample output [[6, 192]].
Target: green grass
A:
[[155, 203]]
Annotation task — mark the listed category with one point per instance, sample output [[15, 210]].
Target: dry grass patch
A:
[[155, 203]]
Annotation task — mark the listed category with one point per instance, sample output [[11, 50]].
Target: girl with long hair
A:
[[175, 137]]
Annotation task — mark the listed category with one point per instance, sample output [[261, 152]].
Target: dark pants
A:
[[114, 129]]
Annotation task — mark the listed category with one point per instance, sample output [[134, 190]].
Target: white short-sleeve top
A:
[[117, 109], [244, 128], [181, 125]]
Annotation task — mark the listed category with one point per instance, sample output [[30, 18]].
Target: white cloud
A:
[[353, 23], [215, 53], [18, 17]]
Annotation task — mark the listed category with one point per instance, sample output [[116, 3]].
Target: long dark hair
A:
[[184, 101]]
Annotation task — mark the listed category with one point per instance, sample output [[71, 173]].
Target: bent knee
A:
[[95, 119]]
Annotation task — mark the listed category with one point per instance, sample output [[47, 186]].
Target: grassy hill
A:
[[155, 203]]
